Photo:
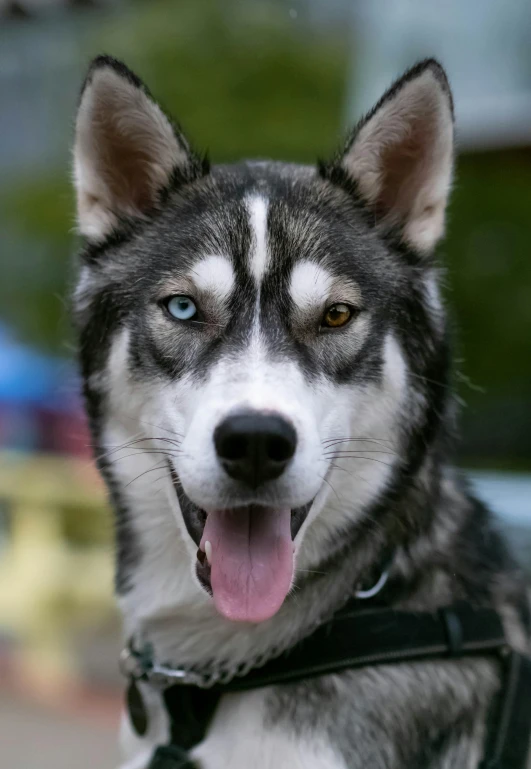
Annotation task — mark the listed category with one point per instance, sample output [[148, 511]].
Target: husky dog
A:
[[266, 361]]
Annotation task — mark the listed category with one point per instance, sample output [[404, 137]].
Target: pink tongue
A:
[[252, 561]]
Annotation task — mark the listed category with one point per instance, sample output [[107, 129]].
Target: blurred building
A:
[[483, 44], [18, 9], [484, 47], [39, 77]]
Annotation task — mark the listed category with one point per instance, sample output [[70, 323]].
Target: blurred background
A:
[[275, 78]]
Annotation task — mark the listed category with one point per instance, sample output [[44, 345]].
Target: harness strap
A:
[[509, 746], [354, 639], [190, 710], [171, 757]]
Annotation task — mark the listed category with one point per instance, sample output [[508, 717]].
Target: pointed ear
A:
[[400, 157], [126, 150]]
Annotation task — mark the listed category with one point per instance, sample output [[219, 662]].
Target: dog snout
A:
[[254, 447]]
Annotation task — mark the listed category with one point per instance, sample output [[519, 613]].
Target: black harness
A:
[[354, 639]]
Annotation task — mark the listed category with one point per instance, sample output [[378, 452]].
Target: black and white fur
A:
[[264, 248]]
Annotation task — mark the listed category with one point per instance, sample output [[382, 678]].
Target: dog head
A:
[[264, 335]]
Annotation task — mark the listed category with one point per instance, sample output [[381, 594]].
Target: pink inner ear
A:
[[404, 166], [402, 157], [126, 148], [126, 165]]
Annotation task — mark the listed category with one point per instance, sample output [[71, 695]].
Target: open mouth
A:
[[245, 556]]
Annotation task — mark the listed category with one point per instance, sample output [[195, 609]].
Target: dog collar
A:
[[356, 638], [140, 664]]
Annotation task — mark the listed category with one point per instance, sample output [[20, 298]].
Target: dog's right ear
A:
[[126, 150]]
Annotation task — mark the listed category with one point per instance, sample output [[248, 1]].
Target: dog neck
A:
[[165, 607]]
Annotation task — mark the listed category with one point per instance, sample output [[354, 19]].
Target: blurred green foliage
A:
[[487, 251], [488, 257], [247, 82], [38, 221], [244, 80]]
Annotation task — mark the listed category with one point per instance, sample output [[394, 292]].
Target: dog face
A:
[[267, 332]]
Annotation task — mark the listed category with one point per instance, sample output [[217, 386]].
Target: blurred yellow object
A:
[[55, 559]]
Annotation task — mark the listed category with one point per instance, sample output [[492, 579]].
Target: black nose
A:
[[255, 447]]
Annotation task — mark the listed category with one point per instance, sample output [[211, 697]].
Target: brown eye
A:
[[336, 315]]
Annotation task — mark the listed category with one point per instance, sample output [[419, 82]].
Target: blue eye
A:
[[181, 307]]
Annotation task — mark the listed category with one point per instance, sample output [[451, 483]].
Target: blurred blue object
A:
[[32, 379], [509, 496]]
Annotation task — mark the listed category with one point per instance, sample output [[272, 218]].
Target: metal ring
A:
[[129, 664], [375, 589]]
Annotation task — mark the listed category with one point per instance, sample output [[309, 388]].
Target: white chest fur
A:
[[240, 737]]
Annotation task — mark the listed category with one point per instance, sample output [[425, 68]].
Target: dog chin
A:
[[245, 557]]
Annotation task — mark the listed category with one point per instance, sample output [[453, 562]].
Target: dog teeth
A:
[[208, 552]]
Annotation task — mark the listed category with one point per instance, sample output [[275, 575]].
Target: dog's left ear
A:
[[126, 150], [400, 157]]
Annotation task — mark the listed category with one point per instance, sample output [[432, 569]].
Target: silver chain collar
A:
[[140, 665], [161, 677]]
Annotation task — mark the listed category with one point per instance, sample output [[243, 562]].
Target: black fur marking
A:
[[124, 233], [194, 518], [104, 61], [478, 547], [95, 339]]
